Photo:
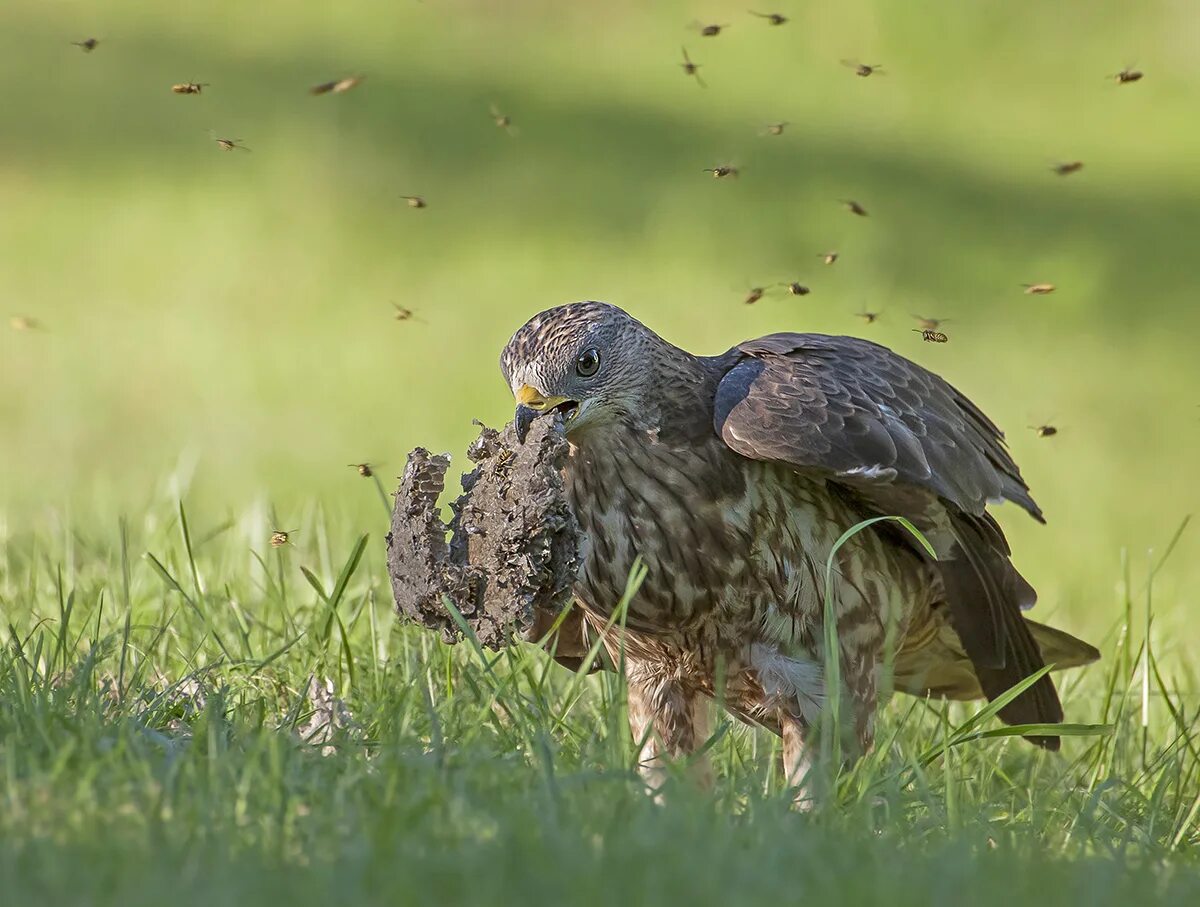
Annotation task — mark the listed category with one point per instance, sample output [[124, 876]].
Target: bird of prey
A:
[[732, 478]]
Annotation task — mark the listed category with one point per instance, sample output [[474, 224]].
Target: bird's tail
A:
[[933, 662]]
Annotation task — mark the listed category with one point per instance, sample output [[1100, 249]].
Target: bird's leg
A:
[[857, 731], [797, 759], [668, 722]]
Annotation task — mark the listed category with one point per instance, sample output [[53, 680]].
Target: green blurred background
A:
[[221, 323]]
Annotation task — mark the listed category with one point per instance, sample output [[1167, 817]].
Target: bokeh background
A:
[[220, 324]]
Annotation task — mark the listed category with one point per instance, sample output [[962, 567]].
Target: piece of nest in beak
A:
[[562, 412]]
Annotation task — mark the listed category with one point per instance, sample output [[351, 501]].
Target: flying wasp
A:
[[502, 120], [25, 323], [1044, 431], [1038, 289], [230, 144], [709, 31], [755, 294], [828, 257], [364, 469], [415, 201], [337, 86], [862, 69], [280, 537], [775, 128], [722, 171], [189, 87], [931, 336], [1127, 75], [1067, 168], [854, 207], [403, 314], [868, 317], [87, 45], [773, 18], [691, 69], [796, 288]]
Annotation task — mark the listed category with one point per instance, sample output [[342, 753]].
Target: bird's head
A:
[[587, 360]]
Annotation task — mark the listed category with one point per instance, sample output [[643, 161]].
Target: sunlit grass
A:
[[153, 713]]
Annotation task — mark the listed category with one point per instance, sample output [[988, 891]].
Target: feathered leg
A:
[[668, 722]]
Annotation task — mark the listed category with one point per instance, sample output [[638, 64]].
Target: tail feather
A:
[[933, 662], [985, 595]]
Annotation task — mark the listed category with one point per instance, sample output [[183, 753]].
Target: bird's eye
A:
[[587, 364]]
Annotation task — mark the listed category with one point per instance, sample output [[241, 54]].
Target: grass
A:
[[157, 737], [218, 331]]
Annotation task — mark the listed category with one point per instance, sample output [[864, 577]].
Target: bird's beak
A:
[[532, 403]]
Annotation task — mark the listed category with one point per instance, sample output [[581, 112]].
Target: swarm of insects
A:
[[854, 207], [772, 18], [337, 86], [87, 45], [691, 68], [1044, 431], [710, 31], [929, 324], [230, 144], [280, 537], [189, 87], [1067, 168], [24, 323], [1127, 75], [415, 201], [1038, 289], [775, 128], [796, 288], [868, 317], [931, 336], [755, 294], [722, 171], [862, 69], [828, 257], [364, 469]]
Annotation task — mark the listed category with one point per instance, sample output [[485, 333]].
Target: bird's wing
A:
[[910, 445], [857, 411]]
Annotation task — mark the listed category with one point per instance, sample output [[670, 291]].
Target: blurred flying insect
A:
[[230, 144], [364, 469], [403, 314], [854, 207], [1038, 289], [280, 537], [25, 323], [189, 87], [868, 317], [931, 336], [709, 31], [691, 69], [929, 324], [1044, 431], [796, 288], [88, 44], [1127, 75], [722, 171], [862, 69], [337, 86], [773, 18], [828, 257], [1067, 168], [775, 128], [755, 294], [415, 201], [502, 120]]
